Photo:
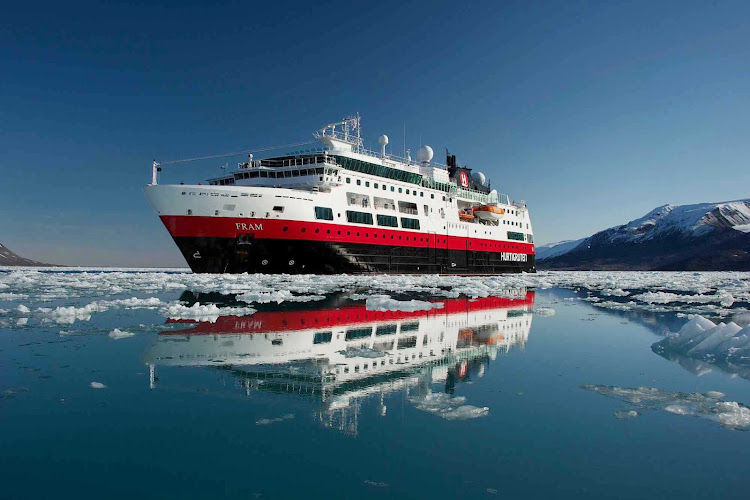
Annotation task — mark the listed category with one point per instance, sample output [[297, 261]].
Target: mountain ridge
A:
[[8, 258], [702, 236]]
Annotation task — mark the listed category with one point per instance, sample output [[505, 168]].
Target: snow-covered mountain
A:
[[702, 236], [8, 258]]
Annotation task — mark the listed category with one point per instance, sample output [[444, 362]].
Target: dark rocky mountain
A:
[[8, 258], [706, 236]]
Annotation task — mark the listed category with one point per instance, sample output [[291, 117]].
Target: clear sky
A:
[[593, 112]]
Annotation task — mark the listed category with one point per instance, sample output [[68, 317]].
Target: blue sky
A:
[[593, 112]]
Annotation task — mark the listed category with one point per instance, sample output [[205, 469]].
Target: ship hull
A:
[[270, 256]]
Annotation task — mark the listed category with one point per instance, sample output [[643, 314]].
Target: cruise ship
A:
[[341, 208], [341, 353]]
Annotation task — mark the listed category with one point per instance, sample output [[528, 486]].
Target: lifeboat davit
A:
[[489, 212]]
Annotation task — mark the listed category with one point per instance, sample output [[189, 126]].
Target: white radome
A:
[[479, 178], [383, 140], [425, 154]]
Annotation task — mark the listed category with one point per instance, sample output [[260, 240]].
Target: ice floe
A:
[[268, 421], [447, 406], [386, 303], [118, 334], [544, 311], [97, 385], [710, 405], [203, 312]]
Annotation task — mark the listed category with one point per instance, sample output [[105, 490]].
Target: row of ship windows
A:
[[325, 213]]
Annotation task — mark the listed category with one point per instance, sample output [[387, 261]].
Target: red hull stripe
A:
[[227, 227], [283, 321]]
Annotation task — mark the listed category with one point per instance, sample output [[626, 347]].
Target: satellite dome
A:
[[425, 154], [383, 140], [479, 178]]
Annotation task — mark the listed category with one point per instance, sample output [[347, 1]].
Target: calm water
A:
[[527, 395]]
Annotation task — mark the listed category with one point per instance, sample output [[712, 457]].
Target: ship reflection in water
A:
[[340, 353]]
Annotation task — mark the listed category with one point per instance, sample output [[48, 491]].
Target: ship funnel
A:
[[383, 141]]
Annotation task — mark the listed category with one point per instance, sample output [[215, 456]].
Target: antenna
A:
[[404, 139]]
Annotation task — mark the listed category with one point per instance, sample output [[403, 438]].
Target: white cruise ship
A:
[[342, 208]]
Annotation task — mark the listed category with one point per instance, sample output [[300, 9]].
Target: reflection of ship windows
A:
[[386, 329], [278, 209], [358, 333], [409, 327], [277, 342], [322, 338], [407, 342], [383, 346], [324, 213]]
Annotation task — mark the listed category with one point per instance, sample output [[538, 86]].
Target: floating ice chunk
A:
[[4, 311], [626, 414], [544, 311], [277, 296], [716, 336], [118, 334], [207, 312], [69, 315], [614, 292], [448, 407], [731, 415], [386, 303], [23, 309], [268, 421], [97, 385]]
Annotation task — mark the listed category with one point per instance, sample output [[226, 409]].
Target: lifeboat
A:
[[466, 214], [489, 212]]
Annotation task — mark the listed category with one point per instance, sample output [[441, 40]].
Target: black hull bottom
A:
[[270, 256]]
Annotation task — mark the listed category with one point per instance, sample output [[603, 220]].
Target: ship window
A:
[[190, 212], [361, 200], [323, 213], [408, 223], [348, 180], [421, 194], [530, 238], [387, 220], [400, 190], [406, 207], [295, 173], [319, 170], [515, 236], [376, 185], [384, 203], [392, 189], [406, 342], [386, 330], [263, 173], [358, 333], [358, 217], [278, 209], [359, 182], [383, 187], [287, 174], [407, 191], [432, 195], [322, 338]]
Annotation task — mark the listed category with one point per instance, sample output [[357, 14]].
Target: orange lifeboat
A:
[[466, 214], [489, 212]]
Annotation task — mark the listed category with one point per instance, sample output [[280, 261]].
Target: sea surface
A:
[[164, 384]]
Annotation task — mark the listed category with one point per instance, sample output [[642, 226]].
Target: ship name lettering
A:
[[248, 226], [513, 257]]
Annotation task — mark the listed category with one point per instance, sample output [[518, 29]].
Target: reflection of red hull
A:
[[282, 321]]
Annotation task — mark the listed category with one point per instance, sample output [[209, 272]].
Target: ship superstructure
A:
[[342, 208]]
